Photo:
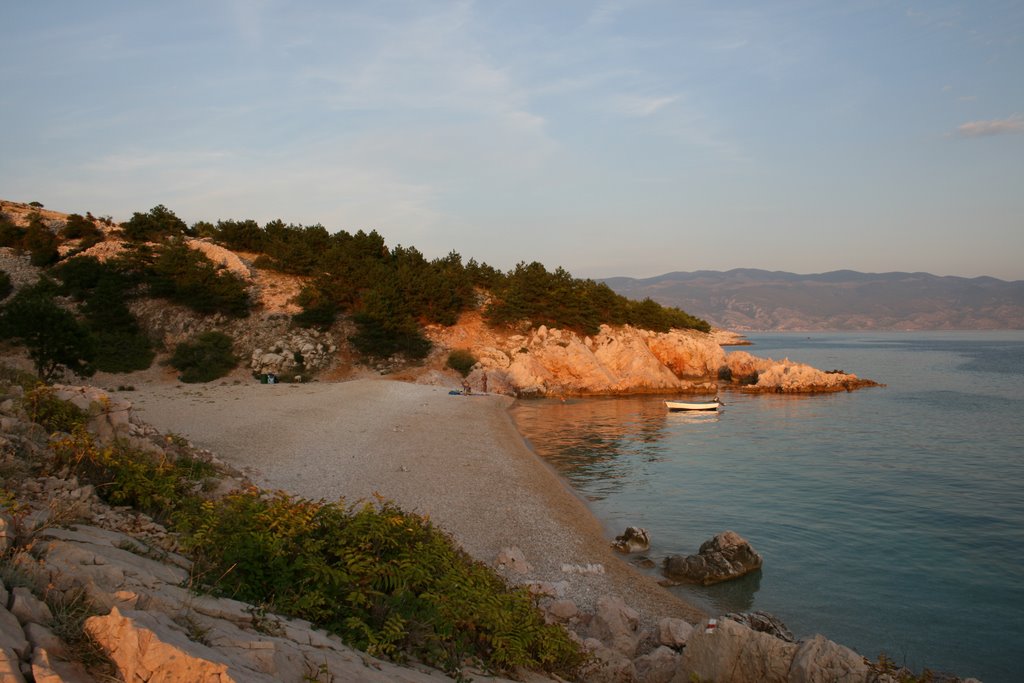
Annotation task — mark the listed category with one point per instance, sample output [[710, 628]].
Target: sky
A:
[[616, 138]]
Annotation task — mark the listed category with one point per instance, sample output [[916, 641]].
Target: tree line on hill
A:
[[390, 293]]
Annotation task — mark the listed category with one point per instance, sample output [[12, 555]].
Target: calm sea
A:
[[890, 519]]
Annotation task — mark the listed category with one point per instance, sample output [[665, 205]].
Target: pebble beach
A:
[[457, 459]]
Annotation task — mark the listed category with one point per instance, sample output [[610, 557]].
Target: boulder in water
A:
[[633, 540], [726, 556]]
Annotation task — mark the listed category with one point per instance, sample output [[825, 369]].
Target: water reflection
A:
[[597, 443], [676, 473], [730, 596]]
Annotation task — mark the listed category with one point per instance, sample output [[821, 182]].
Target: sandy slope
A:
[[458, 459]]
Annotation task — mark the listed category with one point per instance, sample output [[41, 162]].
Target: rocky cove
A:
[[64, 546], [68, 546]]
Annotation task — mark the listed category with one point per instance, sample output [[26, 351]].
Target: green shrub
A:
[[54, 414], [159, 222], [386, 581], [80, 275], [81, 227], [41, 243], [121, 344], [205, 359], [11, 235], [462, 361], [54, 337], [12, 376], [156, 484], [188, 277], [122, 350]]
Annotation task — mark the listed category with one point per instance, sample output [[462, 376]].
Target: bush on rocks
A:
[[52, 413], [207, 358], [385, 580], [462, 361]]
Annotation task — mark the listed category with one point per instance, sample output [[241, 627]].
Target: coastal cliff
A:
[[624, 360]]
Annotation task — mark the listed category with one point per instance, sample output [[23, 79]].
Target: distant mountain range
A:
[[750, 299]]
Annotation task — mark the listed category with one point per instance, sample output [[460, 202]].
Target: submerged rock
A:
[[726, 556]]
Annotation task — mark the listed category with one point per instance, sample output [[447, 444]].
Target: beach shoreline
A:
[[460, 460]]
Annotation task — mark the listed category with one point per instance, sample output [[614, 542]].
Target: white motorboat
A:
[[686, 405]]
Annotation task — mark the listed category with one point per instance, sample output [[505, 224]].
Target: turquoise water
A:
[[890, 519]]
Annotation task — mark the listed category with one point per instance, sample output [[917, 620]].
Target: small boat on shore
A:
[[685, 405]]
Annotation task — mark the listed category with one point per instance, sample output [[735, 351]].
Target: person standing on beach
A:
[[484, 383]]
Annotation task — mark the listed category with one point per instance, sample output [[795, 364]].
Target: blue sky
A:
[[611, 138]]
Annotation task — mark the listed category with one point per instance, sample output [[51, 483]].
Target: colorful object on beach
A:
[[684, 405], [712, 625]]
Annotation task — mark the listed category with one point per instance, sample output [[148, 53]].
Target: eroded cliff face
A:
[[621, 360]]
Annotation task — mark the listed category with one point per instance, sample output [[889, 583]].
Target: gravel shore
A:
[[458, 459]]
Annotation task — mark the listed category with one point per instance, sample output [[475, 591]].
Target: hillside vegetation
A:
[[390, 293]]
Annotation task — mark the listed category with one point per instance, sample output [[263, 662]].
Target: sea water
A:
[[890, 519]]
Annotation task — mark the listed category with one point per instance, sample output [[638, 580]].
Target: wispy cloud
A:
[[635, 105], [977, 129], [130, 162]]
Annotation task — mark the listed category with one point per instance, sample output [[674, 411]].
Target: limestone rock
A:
[[10, 669], [724, 557], [12, 637], [28, 608], [51, 669], [786, 376], [145, 646], [513, 560], [657, 666], [616, 624], [673, 632], [108, 417], [633, 540], [819, 660], [763, 622], [563, 610], [607, 665], [43, 638], [733, 653]]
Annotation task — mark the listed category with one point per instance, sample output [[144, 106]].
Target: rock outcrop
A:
[[633, 540], [765, 375], [545, 362], [733, 653], [622, 360], [726, 556]]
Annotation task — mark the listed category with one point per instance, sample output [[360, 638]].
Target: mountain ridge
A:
[[756, 299]]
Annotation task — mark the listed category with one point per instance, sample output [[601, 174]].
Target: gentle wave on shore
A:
[[890, 519]]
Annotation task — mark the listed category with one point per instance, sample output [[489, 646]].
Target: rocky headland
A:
[[625, 360]]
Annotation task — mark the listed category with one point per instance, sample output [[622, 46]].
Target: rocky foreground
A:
[[64, 549]]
